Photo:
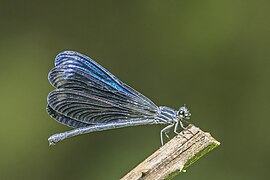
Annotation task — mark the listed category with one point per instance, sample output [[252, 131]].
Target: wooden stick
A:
[[175, 156]]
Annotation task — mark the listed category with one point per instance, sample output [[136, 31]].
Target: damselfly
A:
[[89, 98]]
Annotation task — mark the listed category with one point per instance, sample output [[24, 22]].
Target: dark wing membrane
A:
[[88, 93], [65, 120], [92, 109]]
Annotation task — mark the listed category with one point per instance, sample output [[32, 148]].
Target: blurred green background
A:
[[211, 55]]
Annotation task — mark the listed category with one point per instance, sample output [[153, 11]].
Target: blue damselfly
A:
[[89, 98]]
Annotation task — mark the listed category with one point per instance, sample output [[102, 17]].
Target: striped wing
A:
[[86, 94]]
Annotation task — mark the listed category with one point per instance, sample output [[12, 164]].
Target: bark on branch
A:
[[175, 156]]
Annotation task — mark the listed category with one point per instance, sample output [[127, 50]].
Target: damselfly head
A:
[[183, 113]]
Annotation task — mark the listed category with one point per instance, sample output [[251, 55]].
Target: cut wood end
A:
[[175, 156]]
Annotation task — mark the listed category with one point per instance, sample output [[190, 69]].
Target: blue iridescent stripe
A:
[[166, 114]]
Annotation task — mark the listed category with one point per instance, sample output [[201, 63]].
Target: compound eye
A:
[[181, 113]]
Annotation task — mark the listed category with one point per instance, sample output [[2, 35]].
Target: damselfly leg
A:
[[165, 131]]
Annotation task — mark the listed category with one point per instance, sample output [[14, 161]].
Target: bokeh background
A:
[[211, 55]]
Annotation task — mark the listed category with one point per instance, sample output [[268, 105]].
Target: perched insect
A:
[[89, 98]]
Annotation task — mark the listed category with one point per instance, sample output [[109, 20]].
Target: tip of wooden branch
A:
[[175, 156]]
